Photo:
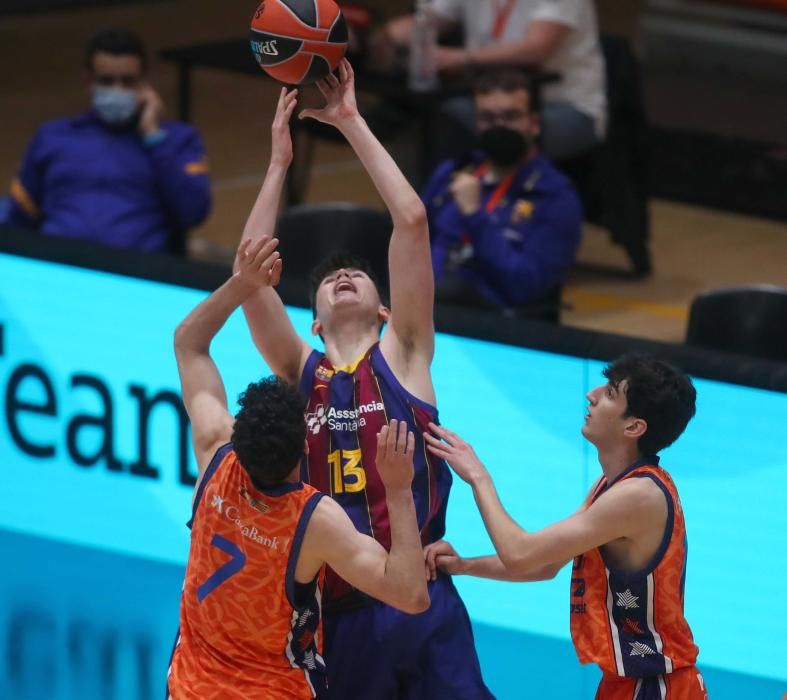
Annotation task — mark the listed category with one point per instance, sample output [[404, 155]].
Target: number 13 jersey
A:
[[347, 408]]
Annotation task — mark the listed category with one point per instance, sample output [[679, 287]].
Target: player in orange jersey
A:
[[628, 540], [260, 538]]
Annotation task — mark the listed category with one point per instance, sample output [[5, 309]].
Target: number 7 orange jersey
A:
[[247, 629]]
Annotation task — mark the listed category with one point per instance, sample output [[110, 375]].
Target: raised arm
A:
[[395, 577], [270, 327], [201, 385], [410, 263], [627, 511]]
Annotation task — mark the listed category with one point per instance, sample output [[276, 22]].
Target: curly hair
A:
[[657, 392], [339, 261], [270, 430]]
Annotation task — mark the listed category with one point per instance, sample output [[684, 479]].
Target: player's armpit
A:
[[412, 286]]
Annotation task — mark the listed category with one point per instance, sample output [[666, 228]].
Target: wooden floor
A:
[[40, 58]]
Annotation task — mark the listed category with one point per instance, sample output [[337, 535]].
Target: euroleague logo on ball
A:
[[260, 10]]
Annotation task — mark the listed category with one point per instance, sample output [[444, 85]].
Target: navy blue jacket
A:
[[520, 250], [82, 179]]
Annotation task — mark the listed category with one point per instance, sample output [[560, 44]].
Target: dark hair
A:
[[505, 79], [117, 42], [338, 261], [657, 392], [269, 430]]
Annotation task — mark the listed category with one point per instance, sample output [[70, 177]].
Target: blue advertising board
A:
[[97, 479]]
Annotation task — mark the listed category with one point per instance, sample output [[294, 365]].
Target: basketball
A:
[[298, 41]]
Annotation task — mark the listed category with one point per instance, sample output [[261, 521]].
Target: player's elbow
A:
[[411, 597], [417, 602], [531, 569], [184, 340], [549, 572], [182, 337], [422, 600], [511, 563], [179, 339], [413, 215], [518, 563], [553, 572]]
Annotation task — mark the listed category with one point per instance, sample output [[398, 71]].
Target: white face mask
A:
[[115, 106]]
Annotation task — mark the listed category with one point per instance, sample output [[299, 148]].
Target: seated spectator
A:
[[117, 174], [503, 221], [559, 36]]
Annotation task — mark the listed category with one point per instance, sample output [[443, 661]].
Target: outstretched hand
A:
[[460, 455], [259, 263], [281, 140], [339, 93]]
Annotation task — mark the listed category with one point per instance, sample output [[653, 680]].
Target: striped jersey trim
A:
[[614, 629]]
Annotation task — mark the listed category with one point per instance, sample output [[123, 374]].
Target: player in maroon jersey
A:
[[357, 384]]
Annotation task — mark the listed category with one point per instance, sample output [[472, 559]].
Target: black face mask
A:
[[504, 146]]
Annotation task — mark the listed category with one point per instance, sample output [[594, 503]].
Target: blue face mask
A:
[[115, 106]]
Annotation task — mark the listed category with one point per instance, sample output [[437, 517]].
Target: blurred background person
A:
[[117, 174], [505, 224], [554, 36]]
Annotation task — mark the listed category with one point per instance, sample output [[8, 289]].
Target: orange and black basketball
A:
[[298, 41]]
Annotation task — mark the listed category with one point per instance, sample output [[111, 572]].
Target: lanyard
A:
[[502, 15], [500, 191], [497, 196]]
